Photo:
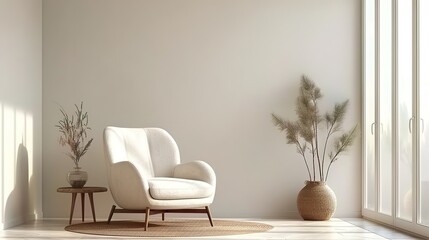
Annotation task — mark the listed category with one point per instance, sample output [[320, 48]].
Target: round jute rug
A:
[[170, 228]]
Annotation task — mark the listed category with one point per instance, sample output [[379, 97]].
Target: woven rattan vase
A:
[[316, 201]]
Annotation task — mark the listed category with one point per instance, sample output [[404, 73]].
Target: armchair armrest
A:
[[125, 173], [196, 170], [129, 189]]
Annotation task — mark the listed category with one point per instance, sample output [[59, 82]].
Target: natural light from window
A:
[[424, 112], [385, 127], [17, 166], [370, 105], [405, 104]]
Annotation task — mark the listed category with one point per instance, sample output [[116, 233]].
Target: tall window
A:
[[396, 116], [423, 76]]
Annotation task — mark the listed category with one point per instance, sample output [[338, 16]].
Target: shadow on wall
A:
[[18, 186], [17, 204], [19, 182]]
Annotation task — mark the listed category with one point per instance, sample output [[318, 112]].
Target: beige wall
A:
[[210, 73], [20, 110]]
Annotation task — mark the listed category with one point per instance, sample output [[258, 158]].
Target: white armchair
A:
[[145, 174]]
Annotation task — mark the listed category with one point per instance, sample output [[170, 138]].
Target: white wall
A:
[[209, 72], [20, 110]]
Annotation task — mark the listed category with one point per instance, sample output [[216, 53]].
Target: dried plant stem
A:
[[317, 150], [343, 147], [324, 149], [302, 152]]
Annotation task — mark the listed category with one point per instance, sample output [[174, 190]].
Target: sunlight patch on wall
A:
[[17, 168], [1, 164], [19, 128], [9, 151], [29, 143]]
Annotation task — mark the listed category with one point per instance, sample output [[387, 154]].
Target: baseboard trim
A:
[[17, 221], [295, 215], [140, 217]]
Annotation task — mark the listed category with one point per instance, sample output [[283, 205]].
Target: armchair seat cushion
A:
[[163, 188]]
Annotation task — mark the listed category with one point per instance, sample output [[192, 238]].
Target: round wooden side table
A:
[[82, 191]]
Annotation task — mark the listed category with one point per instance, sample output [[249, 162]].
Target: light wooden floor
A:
[[352, 228]]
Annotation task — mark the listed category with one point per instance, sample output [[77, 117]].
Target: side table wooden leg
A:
[[72, 206], [91, 200], [82, 197]]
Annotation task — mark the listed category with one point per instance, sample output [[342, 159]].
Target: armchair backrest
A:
[[163, 150], [151, 150]]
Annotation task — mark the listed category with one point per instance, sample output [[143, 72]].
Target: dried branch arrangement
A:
[[73, 133], [318, 150]]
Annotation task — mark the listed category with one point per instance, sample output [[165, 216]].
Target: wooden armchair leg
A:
[[111, 214], [146, 221], [209, 215]]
